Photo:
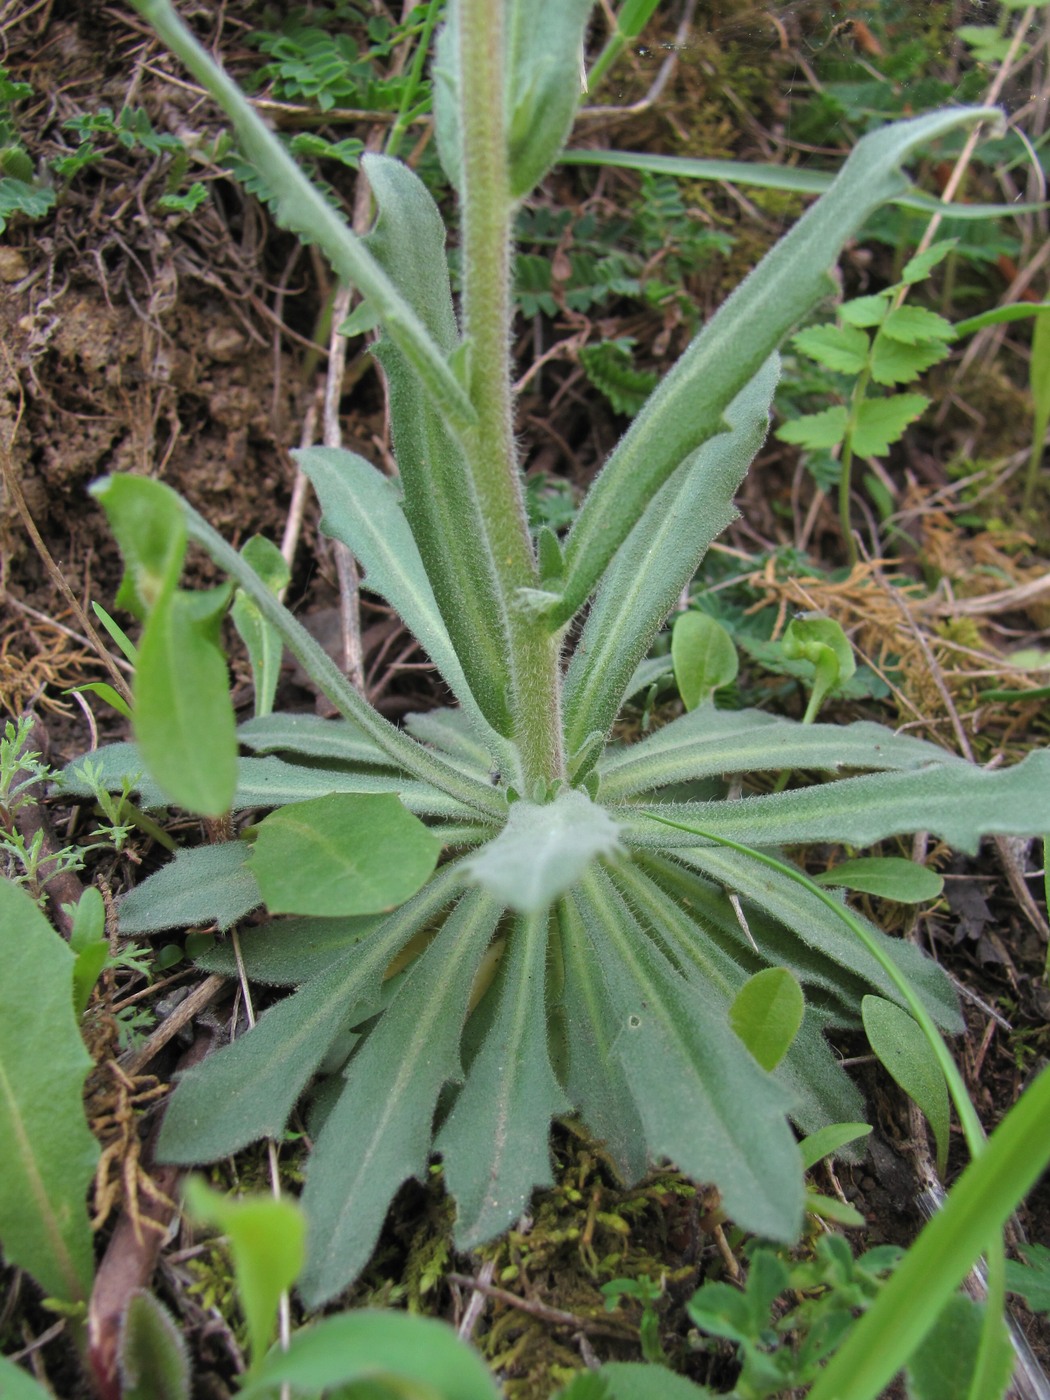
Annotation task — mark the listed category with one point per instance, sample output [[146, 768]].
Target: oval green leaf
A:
[[348, 853], [903, 1049], [890, 877], [703, 655], [766, 1014]]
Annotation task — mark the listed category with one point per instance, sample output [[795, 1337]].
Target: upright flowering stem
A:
[[487, 209]]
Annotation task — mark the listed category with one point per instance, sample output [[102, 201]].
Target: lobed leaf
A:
[[689, 1074], [495, 1141], [958, 803], [881, 422], [378, 1133], [247, 1090], [841, 348]]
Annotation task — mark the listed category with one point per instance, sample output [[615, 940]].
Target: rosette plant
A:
[[483, 923]]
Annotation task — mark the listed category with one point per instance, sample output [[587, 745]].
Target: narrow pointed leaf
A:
[[709, 742], [689, 1074], [959, 804], [311, 736], [440, 504], [247, 1090], [49, 1154], [829, 1140], [687, 407], [661, 555], [378, 1134], [495, 1142], [363, 509], [302, 208], [593, 1076]]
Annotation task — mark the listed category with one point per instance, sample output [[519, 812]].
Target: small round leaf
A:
[[767, 1013]]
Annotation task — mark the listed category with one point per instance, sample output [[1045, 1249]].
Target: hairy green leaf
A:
[[708, 742], [200, 886], [301, 207], [332, 856], [661, 554], [363, 509], [687, 408], [593, 1075], [311, 736], [440, 502], [50, 1155], [960, 804], [689, 1074], [494, 1142], [378, 1133], [287, 952], [246, 1090], [943, 1366], [543, 850], [154, 1361]]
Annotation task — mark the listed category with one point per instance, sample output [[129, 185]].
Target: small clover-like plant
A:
[[875, 340], [508, 935]]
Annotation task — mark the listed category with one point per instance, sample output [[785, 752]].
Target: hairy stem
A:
[[487, 209]]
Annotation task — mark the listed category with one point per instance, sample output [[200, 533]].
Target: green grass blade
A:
[[977, 1207]]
